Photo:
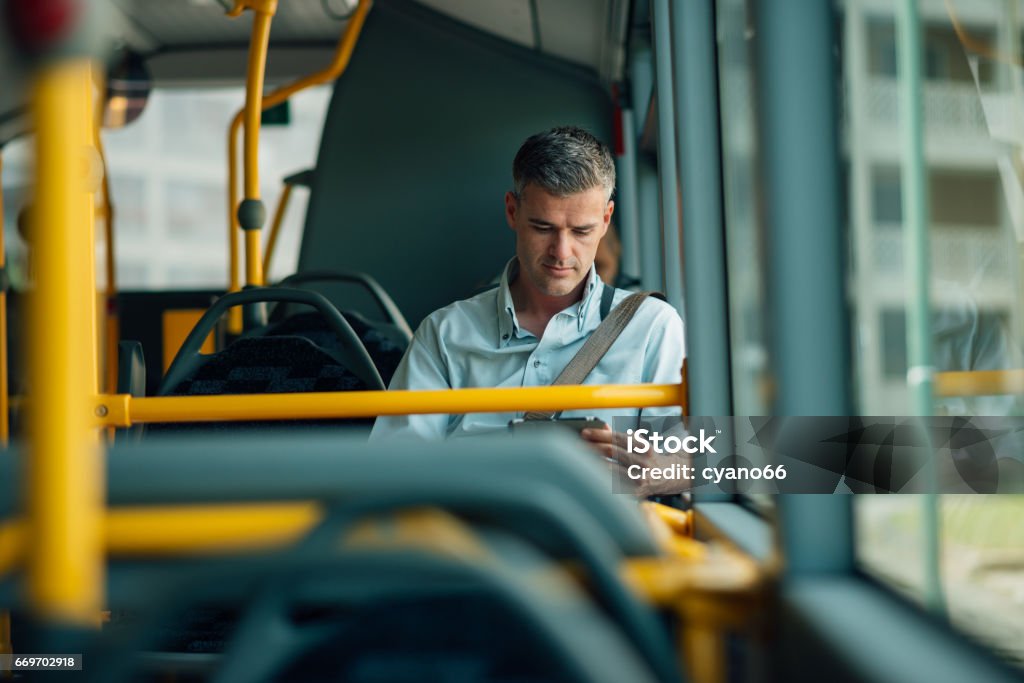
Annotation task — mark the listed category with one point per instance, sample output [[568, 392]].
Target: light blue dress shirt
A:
[[478, 343]]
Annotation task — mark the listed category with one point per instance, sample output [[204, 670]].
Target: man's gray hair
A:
[[564, 161]]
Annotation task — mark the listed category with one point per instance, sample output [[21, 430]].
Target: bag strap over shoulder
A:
[[593, 350], [607, 297]]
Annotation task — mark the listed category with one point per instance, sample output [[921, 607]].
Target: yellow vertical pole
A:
[[251, 212], [253, 260], [338, 64], [65, 559]]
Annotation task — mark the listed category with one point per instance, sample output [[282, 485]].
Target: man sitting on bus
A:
[[525, 331]]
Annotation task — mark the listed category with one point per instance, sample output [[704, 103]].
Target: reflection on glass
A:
[[744, 229], [973, 107]]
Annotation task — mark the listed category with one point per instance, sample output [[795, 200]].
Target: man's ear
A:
[[608, 217], [511, 206]]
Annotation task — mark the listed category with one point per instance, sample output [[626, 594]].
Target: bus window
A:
[[744, 224], [744, 227], [169, 181], [975, 320], [18, 174]]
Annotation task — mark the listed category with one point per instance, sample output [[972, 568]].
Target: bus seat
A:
[[384, 342], [357, 288], [267, 365], [508, 615], [555, 465], [350, 352], [477, 619], [547, 491], [261, 364]]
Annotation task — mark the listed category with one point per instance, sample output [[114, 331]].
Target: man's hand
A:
[[610, 444], [614, 447]]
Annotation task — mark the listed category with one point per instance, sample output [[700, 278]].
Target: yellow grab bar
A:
[[250, 211], [342, 55], [225, 528], [65, 476], [979, 383], [122, 410], [179, 529]]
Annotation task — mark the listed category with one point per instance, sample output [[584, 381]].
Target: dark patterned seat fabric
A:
[[268, 365], [383, 341]]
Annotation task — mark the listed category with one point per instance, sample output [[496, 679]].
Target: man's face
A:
[[557, 237]]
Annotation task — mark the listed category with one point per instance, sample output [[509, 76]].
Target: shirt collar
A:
[[586, 305], [508, 323]]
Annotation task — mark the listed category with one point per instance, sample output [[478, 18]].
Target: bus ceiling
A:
[[194, 43], [180, 35]]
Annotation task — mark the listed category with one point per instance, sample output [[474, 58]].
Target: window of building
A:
[[745, 240], [944, 58], [169, 185], [886, 200], [957, 196]]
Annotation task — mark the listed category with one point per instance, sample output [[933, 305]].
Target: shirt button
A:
[[504, 336], [536, 363]]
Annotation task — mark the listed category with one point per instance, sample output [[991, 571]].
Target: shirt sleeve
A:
[[422, 367], [663, 357]]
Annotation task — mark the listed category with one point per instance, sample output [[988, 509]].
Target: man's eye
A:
[[541, 228], [583, 233]]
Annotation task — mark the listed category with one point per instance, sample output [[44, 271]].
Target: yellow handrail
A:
[[259, 41], [227, 528], [65, 476], [979, 383], [222, 529], [122, 410], [275, 226], [342, 55]]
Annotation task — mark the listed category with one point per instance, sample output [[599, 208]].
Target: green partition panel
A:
[[417, 153]]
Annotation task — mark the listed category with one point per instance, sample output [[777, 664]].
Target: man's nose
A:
[[561, 246]]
